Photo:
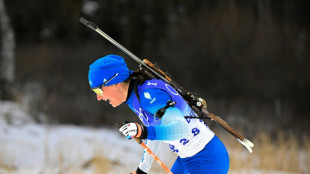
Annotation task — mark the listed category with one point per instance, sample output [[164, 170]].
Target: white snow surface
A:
[[30, 148], [27, 147]]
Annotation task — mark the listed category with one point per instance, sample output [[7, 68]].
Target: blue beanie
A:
[[105, 68]]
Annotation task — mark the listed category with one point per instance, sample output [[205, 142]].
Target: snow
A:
[[27, 147], [33, 145]]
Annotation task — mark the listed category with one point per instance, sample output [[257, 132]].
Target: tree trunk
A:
[[264, 11], [7, 59]]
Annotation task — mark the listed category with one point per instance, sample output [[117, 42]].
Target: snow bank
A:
[[13, 114]]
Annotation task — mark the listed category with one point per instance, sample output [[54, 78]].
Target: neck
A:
[[123, 89]]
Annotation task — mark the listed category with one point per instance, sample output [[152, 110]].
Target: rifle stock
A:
[[224, 125], [248, 144], [159, 71]]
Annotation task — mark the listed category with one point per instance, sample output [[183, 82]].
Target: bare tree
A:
[[7, 59]]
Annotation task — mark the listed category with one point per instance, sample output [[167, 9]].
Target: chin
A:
[[115, 105]]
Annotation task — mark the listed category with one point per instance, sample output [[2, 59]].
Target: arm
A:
[[173, 124]]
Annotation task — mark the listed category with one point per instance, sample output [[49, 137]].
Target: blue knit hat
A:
[[106, 67]]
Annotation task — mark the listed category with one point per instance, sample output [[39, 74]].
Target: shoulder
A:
[[154, 87], [150, 94], [152, 83], [153, 99]]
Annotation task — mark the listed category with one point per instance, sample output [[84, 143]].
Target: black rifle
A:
[[197, 103]]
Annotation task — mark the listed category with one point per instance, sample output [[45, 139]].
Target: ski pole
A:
[[139, 141]]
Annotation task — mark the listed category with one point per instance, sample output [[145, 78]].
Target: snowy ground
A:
[[30, 148], [26, 147]]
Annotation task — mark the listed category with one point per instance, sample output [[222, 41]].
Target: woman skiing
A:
[[161, 110]]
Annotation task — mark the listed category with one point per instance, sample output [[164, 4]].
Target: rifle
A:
[[197, 103]]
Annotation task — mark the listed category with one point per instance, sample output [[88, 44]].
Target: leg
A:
[[213, 159], [178, 167]]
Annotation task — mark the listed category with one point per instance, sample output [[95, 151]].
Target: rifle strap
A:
[[162, 111]]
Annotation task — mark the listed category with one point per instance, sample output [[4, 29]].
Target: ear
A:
[[117, 86]]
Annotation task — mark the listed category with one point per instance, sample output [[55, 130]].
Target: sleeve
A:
[[173, 127], [147, 159], [173, 124]]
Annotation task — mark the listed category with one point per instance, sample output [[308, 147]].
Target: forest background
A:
[[248, 59]]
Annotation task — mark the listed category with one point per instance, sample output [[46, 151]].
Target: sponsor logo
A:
[[104, 80], [147, 95], [150, 83], [154, 99], [142, 116], [172, 90]]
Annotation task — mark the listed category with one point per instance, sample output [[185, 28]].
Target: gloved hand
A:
[[130, 130], [139, 171]]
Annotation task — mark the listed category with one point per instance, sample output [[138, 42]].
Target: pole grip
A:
[[139, 141]]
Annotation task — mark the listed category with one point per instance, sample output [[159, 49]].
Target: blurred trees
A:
[[249, 58], [7, 56]]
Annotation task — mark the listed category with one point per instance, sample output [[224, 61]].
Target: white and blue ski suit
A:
[[198, 148]]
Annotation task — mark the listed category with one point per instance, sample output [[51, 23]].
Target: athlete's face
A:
[[112, 94]]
